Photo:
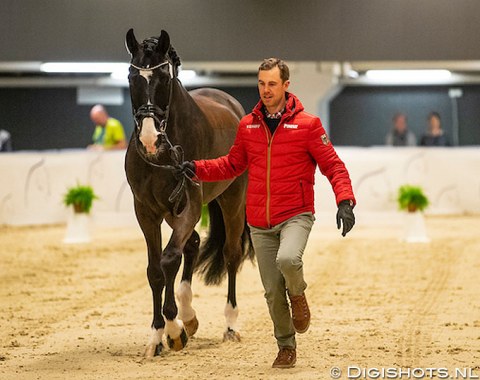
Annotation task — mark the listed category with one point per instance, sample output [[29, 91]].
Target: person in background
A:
[[281, 146], [5, 141], [400, 135], [109, 133], [434, 135]]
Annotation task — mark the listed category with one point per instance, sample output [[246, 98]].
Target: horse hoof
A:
[[179, 343], [153, 350], [191, 326], [231, 336]]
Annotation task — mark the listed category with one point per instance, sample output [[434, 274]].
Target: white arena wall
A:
[[33, 183]]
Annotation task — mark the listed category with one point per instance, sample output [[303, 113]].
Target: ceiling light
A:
[[83, 67], [186, 75], [408, 75]]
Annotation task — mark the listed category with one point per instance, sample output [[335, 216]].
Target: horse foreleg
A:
[[170, 262], [184, 293], [156, 281], [153, 237]]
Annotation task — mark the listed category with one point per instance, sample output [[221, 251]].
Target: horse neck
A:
[[183, 127]]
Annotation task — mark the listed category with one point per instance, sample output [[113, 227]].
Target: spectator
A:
[[109, 133], [5, 141], [400, 135], [435, 135]]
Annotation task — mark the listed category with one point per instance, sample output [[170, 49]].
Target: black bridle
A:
[[177, 154]]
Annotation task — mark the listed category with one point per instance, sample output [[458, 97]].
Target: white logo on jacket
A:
[[291, 126], [250, 126]]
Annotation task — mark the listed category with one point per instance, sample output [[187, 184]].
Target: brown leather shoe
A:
[[300, 313], [286, 358]]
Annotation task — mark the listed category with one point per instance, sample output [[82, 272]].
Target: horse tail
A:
[[211, 262]]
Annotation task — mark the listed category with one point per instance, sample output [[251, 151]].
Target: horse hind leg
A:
[[234, 218], [184, 292]]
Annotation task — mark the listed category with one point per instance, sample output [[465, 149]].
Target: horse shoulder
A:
[[219, 115]]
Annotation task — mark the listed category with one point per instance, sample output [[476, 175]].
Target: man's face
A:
[[401, 123], [272, 89], [434, 123], [99, 118]]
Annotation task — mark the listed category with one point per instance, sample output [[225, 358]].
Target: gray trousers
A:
[[279, 252]]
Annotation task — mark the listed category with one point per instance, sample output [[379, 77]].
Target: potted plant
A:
[[81, 198], [413, 200]]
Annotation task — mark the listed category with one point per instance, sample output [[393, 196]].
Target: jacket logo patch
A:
[[325, 139], [252, 126], [291, 126]]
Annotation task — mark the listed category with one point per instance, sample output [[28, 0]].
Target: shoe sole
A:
[[285, 365]]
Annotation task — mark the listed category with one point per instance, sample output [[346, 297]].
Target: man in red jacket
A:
[[280, 144]]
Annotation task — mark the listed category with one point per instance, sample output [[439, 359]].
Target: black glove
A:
[[185, 168], [345, 216]]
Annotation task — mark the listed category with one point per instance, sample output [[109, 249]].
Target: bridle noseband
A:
[[152, 110], [176, 151]]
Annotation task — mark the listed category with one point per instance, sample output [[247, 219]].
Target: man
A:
[[400, 135], [109, 133], [280, 145]]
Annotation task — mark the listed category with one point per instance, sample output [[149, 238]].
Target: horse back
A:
[[217, 97]]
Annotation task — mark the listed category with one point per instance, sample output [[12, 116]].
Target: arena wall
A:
[[33, 183]]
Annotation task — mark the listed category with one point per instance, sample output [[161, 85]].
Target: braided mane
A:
[[172, 53]]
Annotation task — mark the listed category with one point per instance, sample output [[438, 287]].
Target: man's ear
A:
[[286, 84]]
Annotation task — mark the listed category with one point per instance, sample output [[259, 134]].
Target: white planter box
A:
[[78, 228], [414, 228]]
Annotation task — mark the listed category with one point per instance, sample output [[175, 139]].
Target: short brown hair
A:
[[270, 63]]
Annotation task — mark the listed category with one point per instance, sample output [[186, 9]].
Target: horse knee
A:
[[193, 242], [170, 262]]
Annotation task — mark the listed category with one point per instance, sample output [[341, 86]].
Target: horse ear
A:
[[163, 43], [131, 42]]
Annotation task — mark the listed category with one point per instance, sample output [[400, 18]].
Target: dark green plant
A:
[[412, 198], [81, 197]]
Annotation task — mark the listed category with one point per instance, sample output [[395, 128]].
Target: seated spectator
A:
[[434, 135], [109, 133], [399, 134], [5, 141]]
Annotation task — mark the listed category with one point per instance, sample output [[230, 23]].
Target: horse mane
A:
[[172, 53]]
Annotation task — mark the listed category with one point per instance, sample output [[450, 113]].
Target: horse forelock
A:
[[149, 44]]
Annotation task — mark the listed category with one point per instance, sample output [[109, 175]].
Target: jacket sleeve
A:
[[329, 163], [226, 167]]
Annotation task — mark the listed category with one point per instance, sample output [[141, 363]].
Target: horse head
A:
[[153, 67]]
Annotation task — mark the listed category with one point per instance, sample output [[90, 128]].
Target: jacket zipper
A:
[[269, 160], [269, 150]]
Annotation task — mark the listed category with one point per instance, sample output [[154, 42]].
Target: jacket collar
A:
[[292, 107]]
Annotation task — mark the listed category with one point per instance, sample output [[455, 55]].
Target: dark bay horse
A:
[[172, 125]]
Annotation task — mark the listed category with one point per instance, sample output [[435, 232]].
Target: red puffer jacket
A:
[[281, 167]]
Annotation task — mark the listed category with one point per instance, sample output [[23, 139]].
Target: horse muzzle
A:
[[149, 135]]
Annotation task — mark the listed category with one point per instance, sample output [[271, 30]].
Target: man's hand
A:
[[186, 167], [345, 216]]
